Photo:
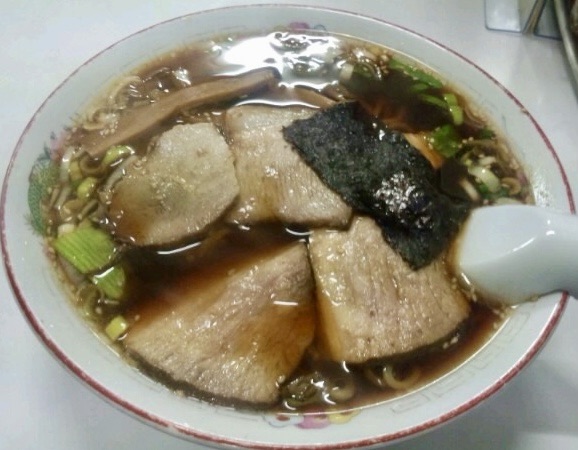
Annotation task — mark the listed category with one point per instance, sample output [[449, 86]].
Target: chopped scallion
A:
[[419, 87], [86, 188], [486, 176], [115, 154], [111, 282], [74, 171], [446, 140], [116, 328], [449, 102], [87, 248], [415, 73], [450, 98], [457, 114], [433, 100]]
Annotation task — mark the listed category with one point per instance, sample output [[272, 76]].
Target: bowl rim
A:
[[167, 425]]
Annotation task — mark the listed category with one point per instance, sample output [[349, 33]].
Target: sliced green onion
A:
[[457, 114], [115, 154], [454, 108], [74, 171], [415, 73], [86, 188], [450, 98], [486, 176], [449, 102], [116, 328], [111, 282], [433, 100], [419, 87], [445, 140], [87, 248]]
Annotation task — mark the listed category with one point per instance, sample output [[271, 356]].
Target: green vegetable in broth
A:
[[415, 73], [112, 282], [116, 154], [87, 248], [446, 140], [116, 328], [454, 107]]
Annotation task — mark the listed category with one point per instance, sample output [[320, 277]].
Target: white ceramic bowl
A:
[[42, 300]]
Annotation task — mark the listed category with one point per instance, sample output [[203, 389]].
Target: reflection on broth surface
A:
[[262, 221]]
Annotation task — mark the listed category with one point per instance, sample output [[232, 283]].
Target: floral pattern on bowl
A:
[[311, 420]]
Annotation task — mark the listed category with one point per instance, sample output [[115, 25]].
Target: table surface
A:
[[43, 406]]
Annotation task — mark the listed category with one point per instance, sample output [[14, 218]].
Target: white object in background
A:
[[521, 16]]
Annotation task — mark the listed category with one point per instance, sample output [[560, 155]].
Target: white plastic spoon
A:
[[514, 253]]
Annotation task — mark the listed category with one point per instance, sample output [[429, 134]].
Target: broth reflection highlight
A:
[[229, 217]]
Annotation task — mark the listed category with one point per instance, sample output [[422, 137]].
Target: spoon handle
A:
[[513, 253], [560, 247]]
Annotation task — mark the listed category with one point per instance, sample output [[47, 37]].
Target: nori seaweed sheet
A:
[[379, 174]]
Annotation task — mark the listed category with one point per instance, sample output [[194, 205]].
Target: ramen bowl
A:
[[53, 318]]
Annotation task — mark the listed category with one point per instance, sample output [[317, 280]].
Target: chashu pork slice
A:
[[275, 183], [236, 338], [371, 304], [178, 190]]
